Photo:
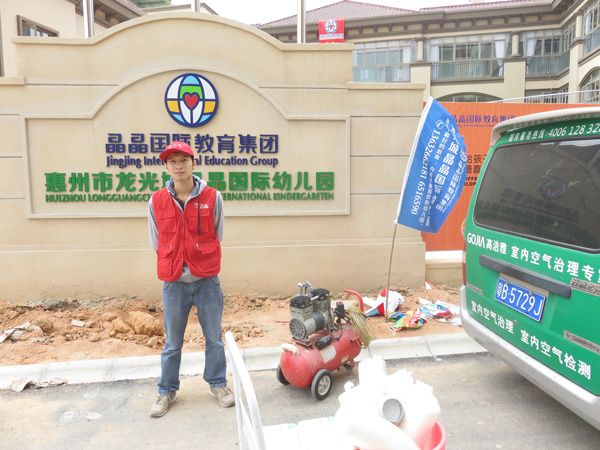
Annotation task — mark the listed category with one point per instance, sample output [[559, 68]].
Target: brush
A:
[[358, 320]]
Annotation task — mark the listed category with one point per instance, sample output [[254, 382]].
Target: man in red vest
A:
[[185, 222]]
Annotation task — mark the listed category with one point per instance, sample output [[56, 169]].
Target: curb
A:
[[134, 368]]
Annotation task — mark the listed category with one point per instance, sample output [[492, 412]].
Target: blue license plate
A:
[[520, 299]]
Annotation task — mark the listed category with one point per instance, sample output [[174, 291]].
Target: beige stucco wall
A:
[[58, 120], [57, 15]]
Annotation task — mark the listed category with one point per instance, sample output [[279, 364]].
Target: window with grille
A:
[[591, 87], [382, 62], [30, 28]]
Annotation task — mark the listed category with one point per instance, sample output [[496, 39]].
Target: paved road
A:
[[485, 405]]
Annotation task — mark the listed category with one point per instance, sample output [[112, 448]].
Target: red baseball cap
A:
[[176, 146]]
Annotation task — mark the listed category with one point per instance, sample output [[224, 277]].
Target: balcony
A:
[[591, 41], [547, 65], [467, 70], [556, 97], [381, 74]]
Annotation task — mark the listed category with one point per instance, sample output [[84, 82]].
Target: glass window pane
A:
[[473, 51], [370, 57], [381, 57], [447, 53], [486, 50], [461, 52], [543, 190], [394, 56], [27, 30], [556, 46]]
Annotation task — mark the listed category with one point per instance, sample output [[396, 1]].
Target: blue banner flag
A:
[[436, 171]]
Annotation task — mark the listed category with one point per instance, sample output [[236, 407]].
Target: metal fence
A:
[[381, 74], [547, 65], [465, 70], [588, 97]]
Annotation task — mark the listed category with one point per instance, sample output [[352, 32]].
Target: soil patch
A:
[[53, 330]]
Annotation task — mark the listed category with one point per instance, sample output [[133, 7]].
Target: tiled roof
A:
[[130, 5], [346, 9], [475, 6]]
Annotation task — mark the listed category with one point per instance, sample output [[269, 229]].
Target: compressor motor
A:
[[310, 311], [325, 339]]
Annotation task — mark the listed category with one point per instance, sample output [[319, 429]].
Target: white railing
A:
[[466, 70], [590, 96], [547, 65], [381, 74]]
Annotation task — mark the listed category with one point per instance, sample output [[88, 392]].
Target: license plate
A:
[[520, 299]]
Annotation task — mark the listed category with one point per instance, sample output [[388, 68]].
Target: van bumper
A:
[[581, 401]]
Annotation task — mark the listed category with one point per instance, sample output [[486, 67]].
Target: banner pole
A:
[[387, 290]]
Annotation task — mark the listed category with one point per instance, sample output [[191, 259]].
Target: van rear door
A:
[[533, 238]]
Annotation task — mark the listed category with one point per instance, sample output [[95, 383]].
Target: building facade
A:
[[65, 18], [308, 162], [520, 50], [53, 18]]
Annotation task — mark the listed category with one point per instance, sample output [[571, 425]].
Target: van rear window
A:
[[547, 191]]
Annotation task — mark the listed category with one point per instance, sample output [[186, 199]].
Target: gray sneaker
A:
[[224, 395], [161, 405]]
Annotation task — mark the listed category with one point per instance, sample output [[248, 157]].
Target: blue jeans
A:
[[178, 299]]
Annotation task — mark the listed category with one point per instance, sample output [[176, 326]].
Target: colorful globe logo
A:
[[554, 189], [331, 26], [191, 100]]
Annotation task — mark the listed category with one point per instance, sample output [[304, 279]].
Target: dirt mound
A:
[[52, 330]]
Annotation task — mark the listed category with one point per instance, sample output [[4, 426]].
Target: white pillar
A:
[[195, 6], [579, 26], [301, 30], [420, 50], [88, 17], [515, 44]]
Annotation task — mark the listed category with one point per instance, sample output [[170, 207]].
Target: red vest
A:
[[178, 237]]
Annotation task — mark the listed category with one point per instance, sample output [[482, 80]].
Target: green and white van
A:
[[531, 293]]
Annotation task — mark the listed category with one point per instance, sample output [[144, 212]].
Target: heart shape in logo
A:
[[191, 100]]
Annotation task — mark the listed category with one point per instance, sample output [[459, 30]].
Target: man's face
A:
[[180, 166]]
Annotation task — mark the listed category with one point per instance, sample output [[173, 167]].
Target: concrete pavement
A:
[[484, 404], [106, 403]]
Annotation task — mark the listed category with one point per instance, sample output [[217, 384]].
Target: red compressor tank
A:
[[310, 362]]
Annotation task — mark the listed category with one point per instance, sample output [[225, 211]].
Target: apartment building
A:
[[542, 51], [525, 50]]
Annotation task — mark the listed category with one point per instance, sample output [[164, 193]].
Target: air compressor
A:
[[324, 339]]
